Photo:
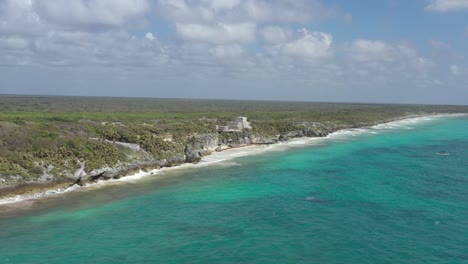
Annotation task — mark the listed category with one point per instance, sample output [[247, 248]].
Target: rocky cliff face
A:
[[192, 156], [259, 139], [207, 142]]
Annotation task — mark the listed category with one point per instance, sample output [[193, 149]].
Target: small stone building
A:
[[239, 125]]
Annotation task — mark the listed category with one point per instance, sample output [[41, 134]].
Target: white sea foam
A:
[[21, 198], [346, 133], [410, 122]]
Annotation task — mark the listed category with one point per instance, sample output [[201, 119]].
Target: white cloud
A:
[[378, 50], [458, 70], [447, 5], [275, 34], [299, 11], [179, 11], [309, 45], [82, 49], [149, 36], [92, 13], [218, 34], [74, 33], [227, 51], [15, 43], [369, 50], [455, 70], [387, 62], [19, 17], [219, 5], [237, 11]]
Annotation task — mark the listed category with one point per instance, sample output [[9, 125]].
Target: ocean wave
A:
[[408, 123], [27, 197], [345, 133]]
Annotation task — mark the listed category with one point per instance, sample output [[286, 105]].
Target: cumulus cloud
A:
[[92, 13], [368, 50], [19, 17], [384, 62], [455, 70], [276, 34], [179, 11], [218, 34], [377, 50], [74, 33], [447, 5], [85, 48], [309, 45], [235, 21], [231, 11], [458, 70], [15, 43], [300, 11], [220, 5], [227, 51], [149, 36]]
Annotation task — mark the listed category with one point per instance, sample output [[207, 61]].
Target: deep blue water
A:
[[379, 195]]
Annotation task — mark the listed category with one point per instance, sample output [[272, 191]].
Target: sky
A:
[[385, 51]]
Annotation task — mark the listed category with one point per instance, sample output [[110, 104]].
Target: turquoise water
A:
[[379, 195]]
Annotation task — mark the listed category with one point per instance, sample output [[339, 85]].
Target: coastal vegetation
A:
[[45, 139]]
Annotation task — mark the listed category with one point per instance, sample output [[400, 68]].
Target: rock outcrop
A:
[[175, 160], [206, 141], [191, 156], [96, 177], [261, 140]]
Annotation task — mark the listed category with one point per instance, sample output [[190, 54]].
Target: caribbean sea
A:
[[374, 195]]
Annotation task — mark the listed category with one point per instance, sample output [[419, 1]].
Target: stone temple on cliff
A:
[[239, 125]]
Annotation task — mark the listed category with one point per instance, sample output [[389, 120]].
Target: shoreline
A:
[[30, 192]]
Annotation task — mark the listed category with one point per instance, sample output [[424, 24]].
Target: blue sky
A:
[[404, 20], [392, 51]]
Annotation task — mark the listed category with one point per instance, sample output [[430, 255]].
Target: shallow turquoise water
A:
[[372, 196]]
